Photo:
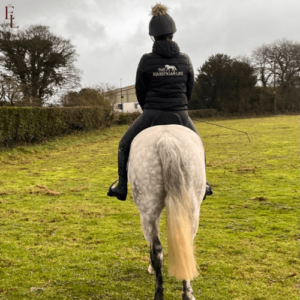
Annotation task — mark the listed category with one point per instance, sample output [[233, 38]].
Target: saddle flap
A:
[[166, 118]]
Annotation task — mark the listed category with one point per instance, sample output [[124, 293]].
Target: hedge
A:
[[203, 113], [24, 125]]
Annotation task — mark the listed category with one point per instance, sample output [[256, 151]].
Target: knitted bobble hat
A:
[[161, 23]]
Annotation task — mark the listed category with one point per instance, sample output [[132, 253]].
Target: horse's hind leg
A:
[[156, 256], [151, 232], [187, 291]]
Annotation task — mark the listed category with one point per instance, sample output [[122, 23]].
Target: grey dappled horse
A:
[[167, 168]]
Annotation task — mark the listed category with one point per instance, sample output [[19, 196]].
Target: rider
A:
[[164, 83]]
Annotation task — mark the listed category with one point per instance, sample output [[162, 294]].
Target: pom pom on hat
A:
[[158, 10], [161, 22]]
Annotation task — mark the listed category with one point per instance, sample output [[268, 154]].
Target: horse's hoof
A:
[[159, 297], [187, 297], [150, 270]]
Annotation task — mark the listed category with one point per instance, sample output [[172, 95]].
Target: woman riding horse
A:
[[164, 83]]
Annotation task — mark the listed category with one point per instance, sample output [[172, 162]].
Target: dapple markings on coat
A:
[[167, 168]]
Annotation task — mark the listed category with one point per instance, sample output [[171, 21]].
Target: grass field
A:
[[61, 237]]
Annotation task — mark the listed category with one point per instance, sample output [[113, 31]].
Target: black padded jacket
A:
[[164, 78]]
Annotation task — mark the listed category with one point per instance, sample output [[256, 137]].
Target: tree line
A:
[[36, 65], [268, 81]]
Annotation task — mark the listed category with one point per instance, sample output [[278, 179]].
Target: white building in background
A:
[[128, 107], [126, 100], [127, 93]]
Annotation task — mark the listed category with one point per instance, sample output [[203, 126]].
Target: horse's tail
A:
[[182, 264]]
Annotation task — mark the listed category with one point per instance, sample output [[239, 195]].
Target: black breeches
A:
[[145, 120]]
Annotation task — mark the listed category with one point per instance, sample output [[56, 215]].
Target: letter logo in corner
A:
[[11, 15]]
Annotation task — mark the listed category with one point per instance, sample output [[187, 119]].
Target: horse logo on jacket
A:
[[170, 68]]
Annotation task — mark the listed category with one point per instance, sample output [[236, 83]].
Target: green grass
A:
[[61, 237]]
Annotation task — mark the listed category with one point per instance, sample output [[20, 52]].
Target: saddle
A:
[[167, 118]]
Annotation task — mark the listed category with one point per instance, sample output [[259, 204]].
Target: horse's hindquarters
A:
[[145, 168], [167, 168]]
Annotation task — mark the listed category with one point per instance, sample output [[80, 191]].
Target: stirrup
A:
[[110, 188], [111, 193], [208, 191]]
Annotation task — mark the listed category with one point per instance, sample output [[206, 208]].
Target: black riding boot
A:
[[208, 190], [120, 191]]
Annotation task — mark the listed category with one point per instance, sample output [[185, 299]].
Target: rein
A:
[[224, 127]]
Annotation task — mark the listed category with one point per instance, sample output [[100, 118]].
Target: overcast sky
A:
[[111, 35]]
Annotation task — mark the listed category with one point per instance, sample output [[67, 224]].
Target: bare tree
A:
[[108, 91], [97, 95], [38, 60], [10, 92], [278, 64], [262, 65]]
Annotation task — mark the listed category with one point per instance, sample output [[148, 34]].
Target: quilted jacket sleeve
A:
[[141, 86], [190, 80]]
